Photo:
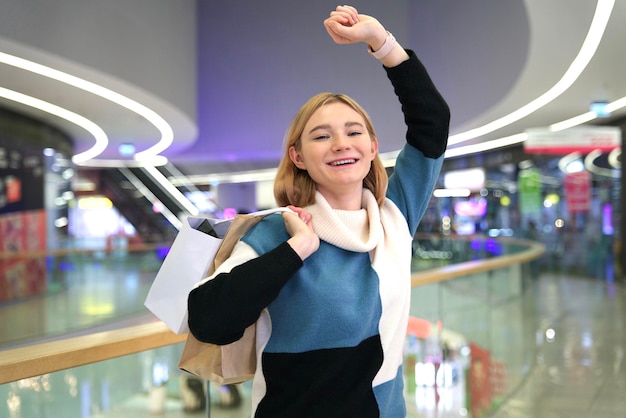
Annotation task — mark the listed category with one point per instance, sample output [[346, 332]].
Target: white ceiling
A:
[[488, 60]]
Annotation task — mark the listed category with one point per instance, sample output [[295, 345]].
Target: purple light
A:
[[607, 219]]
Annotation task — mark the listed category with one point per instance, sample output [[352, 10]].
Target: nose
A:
[[341, 142]]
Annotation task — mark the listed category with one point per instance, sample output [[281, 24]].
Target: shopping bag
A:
[[234, 362], [222, 364], [186, 263], [189, 260]]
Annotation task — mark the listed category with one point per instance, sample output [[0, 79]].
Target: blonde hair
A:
[[294, 186]]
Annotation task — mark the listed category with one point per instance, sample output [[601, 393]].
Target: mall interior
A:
[[120, 120]]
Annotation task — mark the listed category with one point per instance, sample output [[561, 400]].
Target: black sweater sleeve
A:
[[223, 307], [426, 113]]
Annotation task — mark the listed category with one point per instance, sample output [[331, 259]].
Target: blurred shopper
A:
[[329, 286]]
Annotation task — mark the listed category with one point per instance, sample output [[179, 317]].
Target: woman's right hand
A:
[[304, 240], [346, 26]]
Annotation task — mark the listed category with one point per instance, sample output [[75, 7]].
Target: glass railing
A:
[[474, 341], [88, 288], [470, 342]]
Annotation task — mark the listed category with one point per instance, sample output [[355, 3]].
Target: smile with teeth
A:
[[343, 162]]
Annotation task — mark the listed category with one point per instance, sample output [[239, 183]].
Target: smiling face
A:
[[336, 149]]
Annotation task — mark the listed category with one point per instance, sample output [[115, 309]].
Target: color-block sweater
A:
[[331, 329]]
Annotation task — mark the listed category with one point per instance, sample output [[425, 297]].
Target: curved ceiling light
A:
[[167, 134], [519, 138], [156, 161], [571, 122], [564, 162], [588, 116], [587, 50], [615, 158], [616, 105], [231, 177], [487, 145], [592, 167], [102, 141]]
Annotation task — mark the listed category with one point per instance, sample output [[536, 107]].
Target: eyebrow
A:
[[327, 126]]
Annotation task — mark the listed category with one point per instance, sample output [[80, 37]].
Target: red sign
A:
[[578, 191], [22, 275]]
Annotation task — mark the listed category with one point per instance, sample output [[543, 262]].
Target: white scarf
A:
[[382, 232], [353, 230]]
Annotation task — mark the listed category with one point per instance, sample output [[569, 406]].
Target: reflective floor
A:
[[581, 339], [580, 336], [88, 291]]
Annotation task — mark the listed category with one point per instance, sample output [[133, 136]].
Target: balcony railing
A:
[[477, 303]]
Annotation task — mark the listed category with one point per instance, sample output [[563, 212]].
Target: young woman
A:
[[329, 286]]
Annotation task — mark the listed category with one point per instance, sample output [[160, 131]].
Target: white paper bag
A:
[[187, 263]]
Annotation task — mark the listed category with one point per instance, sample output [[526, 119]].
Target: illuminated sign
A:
[[472, 179], [582, 139]]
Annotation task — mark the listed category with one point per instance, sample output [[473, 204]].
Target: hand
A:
[[346, 26], [304, 240]]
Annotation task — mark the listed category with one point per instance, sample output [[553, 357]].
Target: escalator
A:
[[148, 200]]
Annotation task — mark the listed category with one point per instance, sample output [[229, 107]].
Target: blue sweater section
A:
[[332, 302]]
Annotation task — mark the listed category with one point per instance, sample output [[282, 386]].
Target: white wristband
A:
[[384, 50]]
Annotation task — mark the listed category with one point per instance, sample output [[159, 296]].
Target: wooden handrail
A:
[[37, 359], [439, 274]]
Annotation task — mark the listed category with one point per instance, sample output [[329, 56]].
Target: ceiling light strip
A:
[[229, 177], [571, 122], [587, 50], [616, 105], [486, 146], [156, 161], [167, 134], [102, 140]]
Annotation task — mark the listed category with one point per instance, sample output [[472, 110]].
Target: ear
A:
[[296, 158], [374, 148]]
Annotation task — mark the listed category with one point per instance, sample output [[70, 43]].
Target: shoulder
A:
[[267, 234]]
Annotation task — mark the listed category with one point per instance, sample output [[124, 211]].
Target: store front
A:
[[571, 201]]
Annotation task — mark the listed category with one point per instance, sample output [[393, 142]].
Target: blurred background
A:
[[119, 119]]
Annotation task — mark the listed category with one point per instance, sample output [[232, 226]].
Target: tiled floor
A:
[[581, 338]]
